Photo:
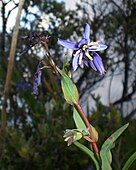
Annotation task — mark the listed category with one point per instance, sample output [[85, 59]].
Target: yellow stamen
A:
[[84, 47], [89, 56]]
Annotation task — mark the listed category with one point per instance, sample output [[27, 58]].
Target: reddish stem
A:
[[80, 110], [82, 113]]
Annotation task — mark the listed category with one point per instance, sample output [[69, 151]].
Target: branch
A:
[[131, 114], [128, 96], [119, 8], [10, 12], [7, 2], [7, 86]]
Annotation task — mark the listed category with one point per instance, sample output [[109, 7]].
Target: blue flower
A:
[[37, 80], [84, 52]]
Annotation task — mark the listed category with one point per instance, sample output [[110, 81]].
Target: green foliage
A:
[[89, 153], [78, 121], [69, 89], [129, 162], [38, 143], [105, 152], [106, 120]]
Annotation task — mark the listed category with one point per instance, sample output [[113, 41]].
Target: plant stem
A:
[[82, 113], [80, 110], [50, 60], [77, 106]]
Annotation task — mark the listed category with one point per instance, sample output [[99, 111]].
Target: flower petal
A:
[[98, 63], [80, 58], [92, 65], [75, 62], [86, 33], [80, 62], [68, 44], [97, 46], [85, 62], [82, 65], [102, 46], [82, 42]]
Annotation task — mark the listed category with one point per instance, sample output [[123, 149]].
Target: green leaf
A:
[[129, 162], [78, 120], [24, 152], [110, 141], [89, 153], [69, 89], [106, 158], [105, 153]]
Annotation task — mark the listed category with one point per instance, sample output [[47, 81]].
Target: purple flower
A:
[[23, 86], [37, 80], [84, 52]]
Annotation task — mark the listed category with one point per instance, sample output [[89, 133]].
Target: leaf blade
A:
[[105, 153], [129, 162], [78, 120], [89, 153], [69, 89], [109, 142]]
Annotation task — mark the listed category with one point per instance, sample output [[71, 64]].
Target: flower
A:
[[23, 86], [84, 52], [37, 80], [72, 136]]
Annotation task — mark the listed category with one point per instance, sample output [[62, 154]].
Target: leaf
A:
[[130, 161], [78, 120], [24, 152], [89, 153], [105, 153], [106, 158], [109, 142], [69, 89]]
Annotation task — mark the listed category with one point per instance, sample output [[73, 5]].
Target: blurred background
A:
[[35, 125]]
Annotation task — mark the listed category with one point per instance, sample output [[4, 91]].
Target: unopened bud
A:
[[94, 134]]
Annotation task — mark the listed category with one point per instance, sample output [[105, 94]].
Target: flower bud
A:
[[94, 134]]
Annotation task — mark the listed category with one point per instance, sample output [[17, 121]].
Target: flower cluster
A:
[[84, 52], [37, 80]]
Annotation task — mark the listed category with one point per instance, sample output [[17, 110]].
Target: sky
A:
[[70, 4], [11, 20]]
